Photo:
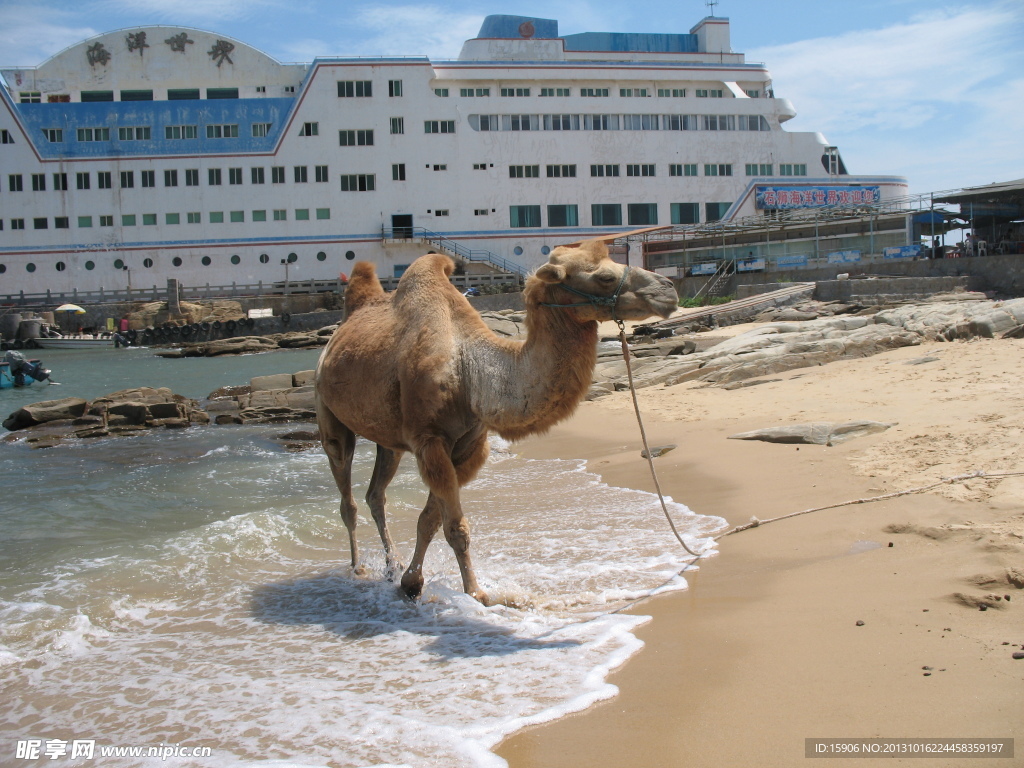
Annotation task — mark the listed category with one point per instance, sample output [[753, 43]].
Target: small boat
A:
[[66, 342], [16, 371]]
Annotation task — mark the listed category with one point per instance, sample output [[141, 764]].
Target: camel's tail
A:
[[363, 287]]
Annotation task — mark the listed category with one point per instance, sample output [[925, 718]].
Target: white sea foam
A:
[[247, 630]]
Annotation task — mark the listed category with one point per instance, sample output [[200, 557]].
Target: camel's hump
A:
[[363, 287]]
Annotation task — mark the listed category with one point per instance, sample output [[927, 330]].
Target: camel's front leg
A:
[[339, 444], [384, 469], [440, 476], [427, 525]]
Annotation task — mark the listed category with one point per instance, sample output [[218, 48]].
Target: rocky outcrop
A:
[[275, 399], [816, 433], [46, 411]]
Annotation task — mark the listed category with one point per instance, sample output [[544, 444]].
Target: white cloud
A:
[[410, 30], [191, 12], [30, 35]]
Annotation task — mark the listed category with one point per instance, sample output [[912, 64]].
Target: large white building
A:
[[175, 152]]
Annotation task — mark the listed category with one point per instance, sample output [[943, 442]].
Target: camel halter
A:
[[594, 299]]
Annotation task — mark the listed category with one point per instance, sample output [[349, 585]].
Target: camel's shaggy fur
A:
[[417, 370]]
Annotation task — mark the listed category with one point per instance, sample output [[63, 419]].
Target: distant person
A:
[[124, 324]]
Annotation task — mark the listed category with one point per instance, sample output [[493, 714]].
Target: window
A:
[[191, 177], [600, 122], [398, 172], [705, 93], [356, 138], [128, 220], [60, 182], [93, 134], [148, 178], [30, 97], [561, 122], [259, 215], [604, 170], [563, 216], [106, 221], [715, 211], [321, 172], [301, 174], [237, 216], [134, 133], [17, 223], [279, 215], [222, 93], [515, 91], [38, 182], [194, 217], [561, 171], [257, 176], [277, 174], [137, 95], [53, 135], [642, 214], [355, 88], [640, 170], [301, 214], [323, 213], [5, 136], [61, 222], [753, 123], [82, 179], [441, 212], [439, 126], [172, 218], [479, 166], [630, 92], [216, 217], [675, 93], [182, 94], [289, 89], [94, 96], [474, 92], [234, 176], [759, 169], [175, 132], [103, 180], [520, 122], [394, 87], [310, 129], [521, 216], [524, 171], [606, 214], [222, 131], [440, 167], [259, 130], [686, 213], [213, 177], [361, 182], [170, 178], [14, 182], [397, 125], [717, 169], [443, 92], [261, 89], [555, 91], [595, 92], [149, 219], [792, 169], [480, 211], [147, 263], [682, 169], [640, 122], [718, 122], [85, 221]]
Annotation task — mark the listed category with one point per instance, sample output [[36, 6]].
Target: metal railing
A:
[[452, 247]]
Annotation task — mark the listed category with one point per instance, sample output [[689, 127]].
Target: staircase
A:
[[453, 248]]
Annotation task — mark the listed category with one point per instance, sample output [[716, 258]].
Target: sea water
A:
[[191, 589]]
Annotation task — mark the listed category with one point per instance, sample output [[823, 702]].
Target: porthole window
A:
[[236, 259], [518, 250], [176, 261], [321, 256], [3, 268], [61, 266], [292, 258], [90, 265], [264, 258], [350, 255], [147, 263], [118, 264], [207, 261], [545, 250], [30, 267]]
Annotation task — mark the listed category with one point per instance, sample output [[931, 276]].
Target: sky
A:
[[930, 90]]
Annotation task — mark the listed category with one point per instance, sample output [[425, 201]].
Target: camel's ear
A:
[[551, 273]]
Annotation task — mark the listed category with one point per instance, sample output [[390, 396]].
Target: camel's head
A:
[[584, 281]]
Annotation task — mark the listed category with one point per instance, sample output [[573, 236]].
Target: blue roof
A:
[[529, 27]]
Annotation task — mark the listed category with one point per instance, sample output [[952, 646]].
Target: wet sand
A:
[[767, 648]]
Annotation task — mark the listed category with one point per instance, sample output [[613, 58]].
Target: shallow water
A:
[[192, 588]]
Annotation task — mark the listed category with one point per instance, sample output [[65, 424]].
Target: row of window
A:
[[610, 214], [614, 122], [177, 261], [173, 94], [151, 219]]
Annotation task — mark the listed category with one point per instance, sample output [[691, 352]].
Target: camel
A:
[[418, 370]]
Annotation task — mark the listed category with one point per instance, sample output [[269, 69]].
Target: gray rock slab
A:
[[815, 433]]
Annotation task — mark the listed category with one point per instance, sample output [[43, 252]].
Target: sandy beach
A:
[[855, 622]]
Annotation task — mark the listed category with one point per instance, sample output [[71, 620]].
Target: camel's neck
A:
[[545, 378]]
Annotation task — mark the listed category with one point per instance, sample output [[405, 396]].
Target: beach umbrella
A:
[[70, 308]]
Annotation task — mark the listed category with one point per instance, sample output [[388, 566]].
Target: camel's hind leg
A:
[[445, 472], [339, 444], [384, 469]]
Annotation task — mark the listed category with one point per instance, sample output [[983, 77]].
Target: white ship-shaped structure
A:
[[164, 152]]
